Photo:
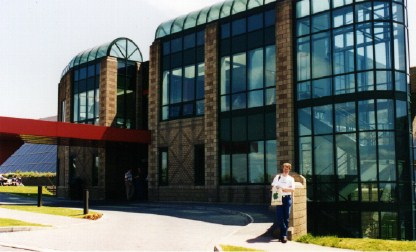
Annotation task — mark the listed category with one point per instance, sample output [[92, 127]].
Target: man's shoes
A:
[[284, 240]]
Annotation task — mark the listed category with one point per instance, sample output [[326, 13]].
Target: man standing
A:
[[128, 182], [287, 184]]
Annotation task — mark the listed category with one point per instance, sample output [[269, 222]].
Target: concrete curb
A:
[[250, 219], [22, 247], [19, 229]]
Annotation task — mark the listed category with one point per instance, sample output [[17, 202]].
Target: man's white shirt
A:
[[284, 182]]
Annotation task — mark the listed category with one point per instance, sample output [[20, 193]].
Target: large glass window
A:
[[247, 99], [352, 111], [303, 59], [321, 55], [163, 166], [382, 45], [126, 94], [86, 93], [343, 50], [323, 119], [183, 76], [95, 170], [199, 165], [364, 45]]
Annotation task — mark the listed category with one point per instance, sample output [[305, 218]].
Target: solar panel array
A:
[[31, 158]]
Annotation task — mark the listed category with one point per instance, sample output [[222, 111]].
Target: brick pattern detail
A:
[[180, 136], [211, 105], [108, 91], [63, 186], [284, 86]]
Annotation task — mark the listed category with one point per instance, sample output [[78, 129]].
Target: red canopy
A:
[[15, 131]]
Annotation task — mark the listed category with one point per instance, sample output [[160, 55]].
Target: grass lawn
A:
[[4, 222], [236, 248], [360, 244], [32, 191], [27, 191], [62, 211]]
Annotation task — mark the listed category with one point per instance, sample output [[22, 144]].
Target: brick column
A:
[[413, 91], [285, 113], [413, 99], [153, 117], [68, 97], [141, 78], [298, 215], [64, 93], [211, 107], [284, 86], [108, 91]]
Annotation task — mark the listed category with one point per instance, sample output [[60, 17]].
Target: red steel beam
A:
[[61, 131]]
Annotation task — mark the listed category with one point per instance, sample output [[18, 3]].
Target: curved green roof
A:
[[120, 48], [206, 15]]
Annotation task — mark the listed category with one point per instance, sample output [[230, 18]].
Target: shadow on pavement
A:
[[266, 237], [225, 214]]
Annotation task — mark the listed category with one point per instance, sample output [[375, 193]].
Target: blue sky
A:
[[40, 37]]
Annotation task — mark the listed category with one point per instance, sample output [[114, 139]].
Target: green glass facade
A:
[[247, 96], [209, 14], [353, 130], [229, 103], [86, 93], [126, 94]]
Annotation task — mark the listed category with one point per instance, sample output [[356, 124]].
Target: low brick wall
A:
[[298, 216]]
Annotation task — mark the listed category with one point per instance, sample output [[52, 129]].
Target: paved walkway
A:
[[145, 227]]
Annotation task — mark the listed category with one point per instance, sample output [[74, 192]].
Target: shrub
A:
[[30, 174]]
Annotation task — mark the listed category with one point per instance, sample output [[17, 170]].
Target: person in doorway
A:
[[287, 184], [128, 182]]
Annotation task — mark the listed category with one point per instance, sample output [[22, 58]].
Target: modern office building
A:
[[238, 88]]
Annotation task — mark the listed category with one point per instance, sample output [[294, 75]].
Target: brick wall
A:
[[284, 83], [153, 118], [413, 91], [64, 93], [108, 91], [211, 109], [180, 136]]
